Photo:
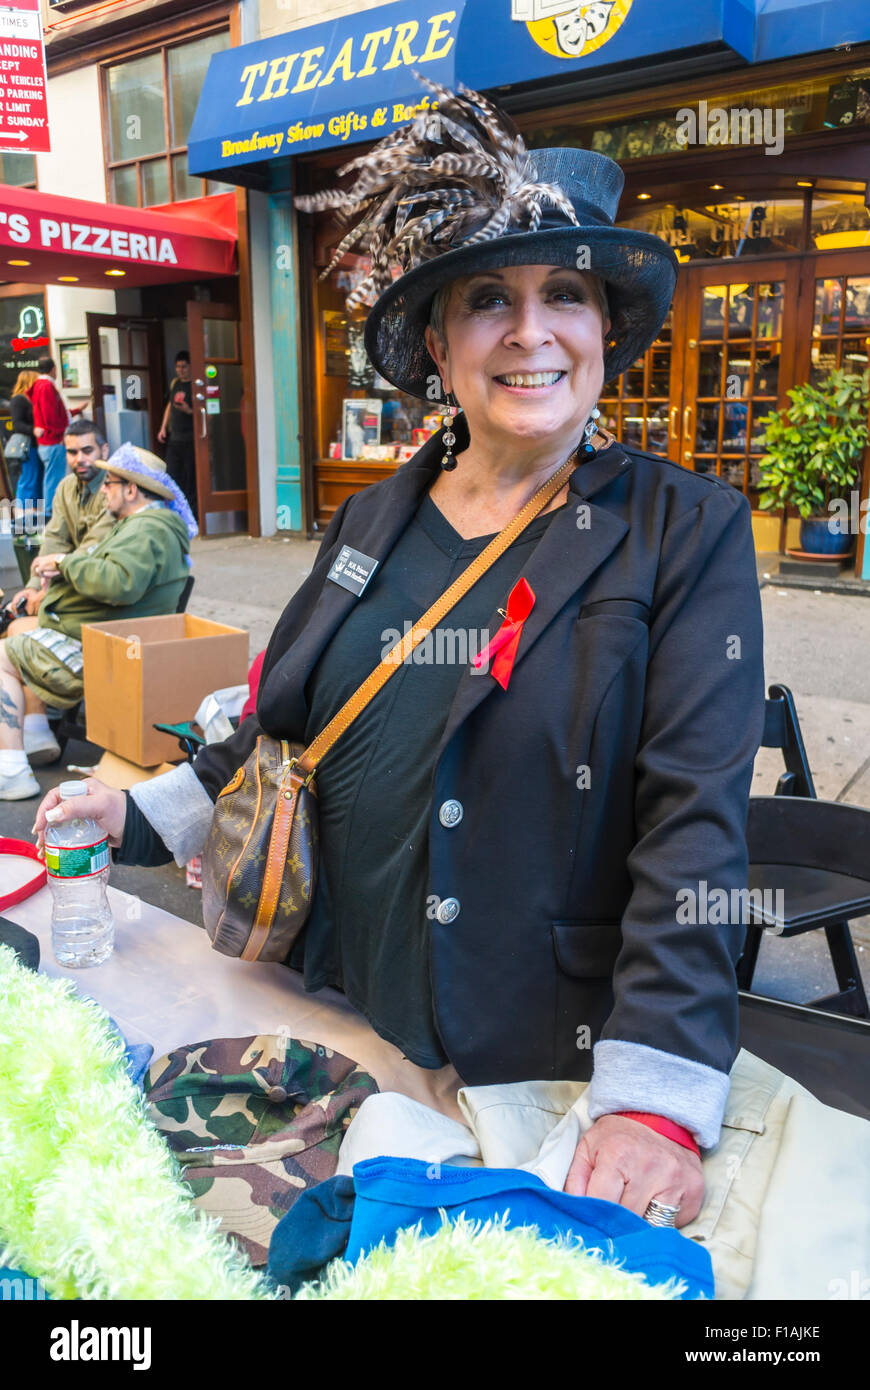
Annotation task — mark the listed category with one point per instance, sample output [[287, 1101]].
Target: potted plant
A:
[[813, 457]]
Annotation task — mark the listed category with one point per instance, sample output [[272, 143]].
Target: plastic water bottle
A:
[[77, 860]]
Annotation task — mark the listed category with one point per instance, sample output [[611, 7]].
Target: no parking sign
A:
[[23, 102]]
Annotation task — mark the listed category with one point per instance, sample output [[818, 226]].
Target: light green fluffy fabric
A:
[[91, 1202], [468, 1260], [90, 1198]]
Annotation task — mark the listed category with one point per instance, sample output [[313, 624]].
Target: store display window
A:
[[362, 416]]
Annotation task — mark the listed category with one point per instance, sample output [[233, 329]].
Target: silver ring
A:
[[660, 1214]]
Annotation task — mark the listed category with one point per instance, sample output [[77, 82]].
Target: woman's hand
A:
[[625, 1162], [103, 804]]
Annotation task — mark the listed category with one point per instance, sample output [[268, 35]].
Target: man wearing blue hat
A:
[[138, 570]]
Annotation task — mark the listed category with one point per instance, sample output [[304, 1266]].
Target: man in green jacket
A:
[[78, 520], [138, 570], [78, 513]]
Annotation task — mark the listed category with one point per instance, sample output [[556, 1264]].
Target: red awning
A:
[[48, 239]]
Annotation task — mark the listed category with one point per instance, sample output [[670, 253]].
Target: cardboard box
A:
[[142, 671], [118, 773]]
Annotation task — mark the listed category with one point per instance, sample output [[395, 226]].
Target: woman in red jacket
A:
[[50, 419]]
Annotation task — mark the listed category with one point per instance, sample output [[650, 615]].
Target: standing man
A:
[[178, 418], [50, 419]]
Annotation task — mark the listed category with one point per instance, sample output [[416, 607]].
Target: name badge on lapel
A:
[[352, 570]]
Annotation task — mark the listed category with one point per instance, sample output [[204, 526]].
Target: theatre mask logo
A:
[[570, 31]]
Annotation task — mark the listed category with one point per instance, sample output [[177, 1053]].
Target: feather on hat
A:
[[458, 174], [457, 191]]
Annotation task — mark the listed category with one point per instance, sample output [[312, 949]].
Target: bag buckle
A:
[[290, 763]]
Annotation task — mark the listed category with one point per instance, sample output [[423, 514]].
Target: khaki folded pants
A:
[[786, 1211]]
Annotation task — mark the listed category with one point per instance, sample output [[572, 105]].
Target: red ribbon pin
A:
[[502, 649]]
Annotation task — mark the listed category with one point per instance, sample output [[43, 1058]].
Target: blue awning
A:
[[785, 28], [498, 49], [331, 84], [352, 79]]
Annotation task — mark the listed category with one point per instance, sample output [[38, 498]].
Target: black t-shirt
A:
[[180, 423], [368, 932]]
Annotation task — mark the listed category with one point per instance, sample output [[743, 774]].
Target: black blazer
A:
[[612, 774]]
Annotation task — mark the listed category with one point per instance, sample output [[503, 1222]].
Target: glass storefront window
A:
[[183, 185], [827, 102], [15, 353], [725, 230], [739, 350], [155, 182], [362, 417], [841, 325], [124, 185], [635, 407], [839, 221], [187, 67], [18, 170], [150, 102], [134, 94]]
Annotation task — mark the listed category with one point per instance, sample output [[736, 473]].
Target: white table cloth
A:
[[163, 984]]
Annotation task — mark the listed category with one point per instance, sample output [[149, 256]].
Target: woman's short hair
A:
[[24, 382], [438, 311]]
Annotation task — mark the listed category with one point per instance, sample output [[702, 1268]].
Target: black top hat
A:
[[457, 192]]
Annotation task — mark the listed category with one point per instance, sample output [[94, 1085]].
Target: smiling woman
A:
[[521, 351], [500, 898]]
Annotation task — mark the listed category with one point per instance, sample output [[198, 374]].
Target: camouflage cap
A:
[[254, 1121]]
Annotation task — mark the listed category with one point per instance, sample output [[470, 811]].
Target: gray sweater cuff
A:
[[179, 808], [630, 1076]]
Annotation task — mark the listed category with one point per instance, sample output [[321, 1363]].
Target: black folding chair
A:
[[829, 1054], [782, 730], [809, 870]]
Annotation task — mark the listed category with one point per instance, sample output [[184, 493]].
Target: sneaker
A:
[[41, 748], [19, 785]]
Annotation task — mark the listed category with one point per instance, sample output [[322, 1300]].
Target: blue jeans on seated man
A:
[[54, 461], [29, 489]]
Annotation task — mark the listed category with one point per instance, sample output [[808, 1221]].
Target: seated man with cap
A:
[[79, 521], [138, 570]]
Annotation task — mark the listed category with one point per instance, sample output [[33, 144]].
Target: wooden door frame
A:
[[786, 268], [677, 383], [232, 500], [154, 329]]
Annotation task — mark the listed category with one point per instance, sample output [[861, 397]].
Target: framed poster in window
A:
[[361, 424], [75, 366]]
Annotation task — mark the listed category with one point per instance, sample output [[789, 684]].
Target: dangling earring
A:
[[590, 429], [448, 438]]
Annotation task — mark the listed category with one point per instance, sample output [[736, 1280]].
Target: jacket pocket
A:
[[586, 950], [739, 1171], [616, 608]]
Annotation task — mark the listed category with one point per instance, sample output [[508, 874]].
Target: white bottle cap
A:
[[70, 789]]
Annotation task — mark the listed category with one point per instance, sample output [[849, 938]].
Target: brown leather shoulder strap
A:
[[430, 619]]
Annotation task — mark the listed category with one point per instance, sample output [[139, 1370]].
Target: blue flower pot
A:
[[817, 537]]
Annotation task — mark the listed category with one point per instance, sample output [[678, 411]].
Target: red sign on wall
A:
[[23, 104]]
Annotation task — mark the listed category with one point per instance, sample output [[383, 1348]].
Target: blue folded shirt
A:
[[392, 1193]]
